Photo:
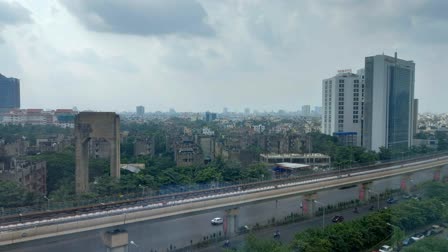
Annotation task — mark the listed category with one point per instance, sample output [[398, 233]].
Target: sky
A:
[[198, 55]]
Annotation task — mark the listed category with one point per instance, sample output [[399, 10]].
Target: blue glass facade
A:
[[399, 107], [9, 93]]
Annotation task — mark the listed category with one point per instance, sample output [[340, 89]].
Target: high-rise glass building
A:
[[388, 119], [9, 93]]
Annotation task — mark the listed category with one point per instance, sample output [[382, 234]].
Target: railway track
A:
[[41, 215]]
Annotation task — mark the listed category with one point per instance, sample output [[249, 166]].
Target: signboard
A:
[[345, 71]]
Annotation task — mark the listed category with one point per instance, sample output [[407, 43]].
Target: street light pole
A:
[[48, 202], [323, 216], [377, 199]]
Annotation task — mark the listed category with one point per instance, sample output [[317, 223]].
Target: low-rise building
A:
[[32, 175]]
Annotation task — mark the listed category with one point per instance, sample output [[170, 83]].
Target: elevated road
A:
[[181, 207]]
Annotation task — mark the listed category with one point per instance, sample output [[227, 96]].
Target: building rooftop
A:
[[295, 155], [287, 165]]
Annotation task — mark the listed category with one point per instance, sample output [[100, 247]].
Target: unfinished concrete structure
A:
[[88, 125]]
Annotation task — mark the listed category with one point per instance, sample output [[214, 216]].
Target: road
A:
[[288, 231], [180, 231]]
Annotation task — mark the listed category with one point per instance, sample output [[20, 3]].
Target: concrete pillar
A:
[[405, 183], [115, 149], [82, 167], [364, 194], [230, 225], [116, 241], [308, 204], [437, 174]]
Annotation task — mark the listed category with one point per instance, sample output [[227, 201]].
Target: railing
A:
[[112, 202]]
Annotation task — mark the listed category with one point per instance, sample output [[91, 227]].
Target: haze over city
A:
[[206, 55]]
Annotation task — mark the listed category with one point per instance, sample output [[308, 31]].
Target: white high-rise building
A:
[[389, 105], [342, 106]]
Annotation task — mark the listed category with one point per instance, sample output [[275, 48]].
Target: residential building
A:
[[61, 117], [389, 102], [342, 105], [31, 175], [9, 93], [140, 110], [306, 110]]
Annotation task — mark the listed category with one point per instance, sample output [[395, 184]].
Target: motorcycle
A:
[[277, 235]]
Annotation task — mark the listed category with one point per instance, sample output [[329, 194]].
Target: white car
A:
[[386, 248], [217, 221], [417, 237]]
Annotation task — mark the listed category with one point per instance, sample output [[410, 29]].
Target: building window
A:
[[341, 116], [341, 107], [341, 90], [355, 103], [330, 81], [341, 81], [355, 99], [355, 112], [356, 90], [341, 94], [341, 103], [355, 94], [356, 86], [341, 98], [341, 112], [341, 121], [341, 86], [355, 117], [355, 121], [355, 81], [355, 108]]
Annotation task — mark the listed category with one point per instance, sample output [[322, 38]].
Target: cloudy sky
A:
[[197, 55]]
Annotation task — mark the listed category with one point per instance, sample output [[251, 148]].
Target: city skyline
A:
[[214, 55]]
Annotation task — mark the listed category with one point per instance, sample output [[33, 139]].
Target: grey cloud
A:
[[143, 18], [12, 13], [416, 21]]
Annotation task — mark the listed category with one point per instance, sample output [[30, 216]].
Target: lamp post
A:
[[143, 189], [377, 199], [48, 202], [133, 243], [323, 216]]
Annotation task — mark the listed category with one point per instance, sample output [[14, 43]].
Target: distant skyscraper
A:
[[389, 103], [317, 110], [225, 110], [140, 110], [9, 93], [210, 116], [247, 111], [342, 106], [172, 111], [306, 110]]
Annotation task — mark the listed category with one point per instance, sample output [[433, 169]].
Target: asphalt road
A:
[[180, 231]]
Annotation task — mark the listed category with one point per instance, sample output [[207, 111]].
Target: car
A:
[[408, 241], [217, 221], [418, 237], [338, 218], [386, 248], [391, 201], [407, 196], [244, 229]]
